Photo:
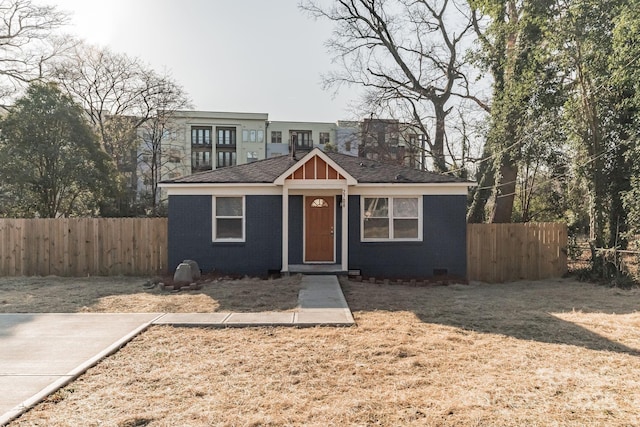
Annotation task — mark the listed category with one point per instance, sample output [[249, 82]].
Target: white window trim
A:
[[214, 217], [390, 238]]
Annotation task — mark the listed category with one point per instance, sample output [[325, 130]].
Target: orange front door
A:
[[319, 222]]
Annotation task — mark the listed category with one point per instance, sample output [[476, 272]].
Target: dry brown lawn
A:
[[557, 353], [130, 295]]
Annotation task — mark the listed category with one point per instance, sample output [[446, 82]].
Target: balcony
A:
[[305, 145]]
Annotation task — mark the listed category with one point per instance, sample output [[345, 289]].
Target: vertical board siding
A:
[[499, 253], [83, 246]]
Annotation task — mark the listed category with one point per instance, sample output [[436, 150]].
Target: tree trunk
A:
[[505, 191], [438, 141], [482, 192]]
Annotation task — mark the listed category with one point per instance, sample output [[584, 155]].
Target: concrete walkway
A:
[[320, 303], [40, 353]]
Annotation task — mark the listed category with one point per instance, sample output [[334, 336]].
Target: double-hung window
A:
[[276, 137], [228, 219], [391, 218]]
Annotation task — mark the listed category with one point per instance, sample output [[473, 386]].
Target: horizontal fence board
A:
[[83, 246], [499, 253]]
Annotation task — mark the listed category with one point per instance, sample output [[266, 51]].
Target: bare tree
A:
[[464, 140], [158, 152], [28, 42], [408, 54], [392, 141], [120, 94]]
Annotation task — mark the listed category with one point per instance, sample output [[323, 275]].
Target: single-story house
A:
[[324, 210]]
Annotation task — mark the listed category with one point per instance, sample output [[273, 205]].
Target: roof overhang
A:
[[433, 188], [205, 188]]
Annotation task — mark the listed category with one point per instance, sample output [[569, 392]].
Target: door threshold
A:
[[317, 269]]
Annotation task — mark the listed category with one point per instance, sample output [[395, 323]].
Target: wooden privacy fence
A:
[[138, 246], [507, 252], [83, 246]]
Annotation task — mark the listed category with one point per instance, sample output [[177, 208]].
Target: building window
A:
[[276, 137], [413, 141], [200, 160], [301, 138], [225, 147], [200, 148], [226, 137], [175, 156], [226, 158], [324, 137], [319, 203], [252, 156], [201, 136], [228, 221], [391, 218]]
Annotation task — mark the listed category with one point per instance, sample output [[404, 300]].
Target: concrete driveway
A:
[[40, 353]]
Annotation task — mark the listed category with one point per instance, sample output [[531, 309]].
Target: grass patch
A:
[[130, 295]]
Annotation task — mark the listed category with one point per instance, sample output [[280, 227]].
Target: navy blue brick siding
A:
[[190, 220], [443, 246], [189, 229], [296, 222]]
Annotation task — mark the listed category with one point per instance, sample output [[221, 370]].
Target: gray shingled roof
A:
[[363, 170], [371, 171], [261, 171]]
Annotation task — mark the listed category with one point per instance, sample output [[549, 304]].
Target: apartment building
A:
[[302, 136], [392, 141], [348, 137], [197, 141], [212, 140]]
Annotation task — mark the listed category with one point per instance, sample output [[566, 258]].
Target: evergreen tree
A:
[[51, 163]]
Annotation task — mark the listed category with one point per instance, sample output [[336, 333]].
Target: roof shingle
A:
[[363, 170]]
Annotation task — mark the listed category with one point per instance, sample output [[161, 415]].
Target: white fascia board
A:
[[222, 189], [315, 191], [311, 184], [453, 189]]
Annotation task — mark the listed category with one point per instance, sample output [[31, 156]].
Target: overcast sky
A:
[[262, 56]]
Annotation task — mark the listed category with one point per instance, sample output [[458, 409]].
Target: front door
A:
[[319, 222]]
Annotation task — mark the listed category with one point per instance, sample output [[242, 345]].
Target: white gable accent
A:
[[316, 152]]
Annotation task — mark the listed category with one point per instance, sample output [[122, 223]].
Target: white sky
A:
[[263, 56]]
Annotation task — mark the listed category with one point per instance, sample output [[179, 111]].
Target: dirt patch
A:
[[530, 353], [133, 295]]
